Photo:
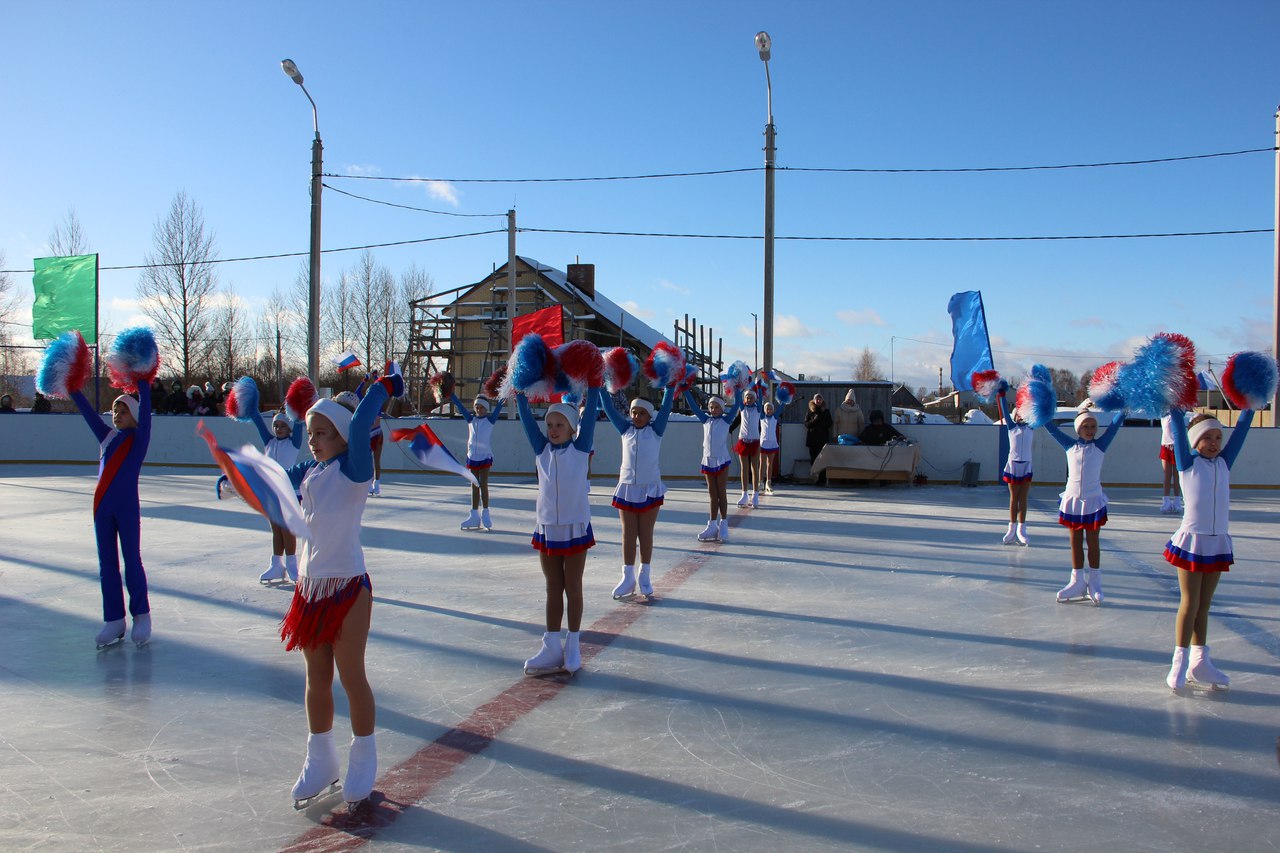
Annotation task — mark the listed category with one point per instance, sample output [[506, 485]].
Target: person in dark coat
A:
[[41, 406], [817, 426], [878, 432], [175, 403]]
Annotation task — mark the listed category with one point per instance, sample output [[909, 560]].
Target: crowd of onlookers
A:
[[171, 400]]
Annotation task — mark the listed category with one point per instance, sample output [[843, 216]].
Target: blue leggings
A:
[[125, 523]]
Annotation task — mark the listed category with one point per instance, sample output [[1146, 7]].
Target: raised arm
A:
[[1064, 441], [457, 404], [1005, 414], [1236, 441], [735, 408], [92, 418], [357, 465], [537, 440], [298, 434], [497, 410], [1104, 441], [620, 423], [695, 408], [1182, 455], [587, 426], [263, 431], [142, 437], [664, 411]]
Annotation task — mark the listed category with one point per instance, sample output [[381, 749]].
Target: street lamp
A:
[[755, 320], [313, 286], [764, 45]]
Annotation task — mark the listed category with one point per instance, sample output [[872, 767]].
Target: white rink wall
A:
[[1131, 460]]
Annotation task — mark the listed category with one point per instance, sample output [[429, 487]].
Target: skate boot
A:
[[319, 770], [1202, 671], [626, 586], [112, 632], [274, 572], [742, 501], [572, 652], [644, 583], [1177, 678], [1176, 503], [291, 567], [1095, 586], [472, 522], [1077, 588], [768, 488], [141, 633], [710, 532], [485, 521], [1009, 536], [550, 658], [362, 769], [755, 499], [1021, 532], [375, 490], [723, 532], [1166, 506]]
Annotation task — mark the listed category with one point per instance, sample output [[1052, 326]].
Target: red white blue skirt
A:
[[563, 539], [318, 609], [1200, 552], [1082, 513], [746, 448], [714, 466], [638, 497], [1016, 472], [769, 451], [479, 464]]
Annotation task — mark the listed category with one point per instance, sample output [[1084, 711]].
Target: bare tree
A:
[[68, 238], [1067, 386], [371, 289], [278, 357], [868, 368], [177, 287], [230, 351], [13, 361]]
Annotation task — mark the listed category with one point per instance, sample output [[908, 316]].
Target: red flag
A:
[[547, 322]]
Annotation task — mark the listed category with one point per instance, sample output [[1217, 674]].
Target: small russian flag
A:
[[346, 361], [260, 482], [429, 450]]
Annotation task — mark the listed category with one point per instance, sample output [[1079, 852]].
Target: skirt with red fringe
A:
[[318, 609]]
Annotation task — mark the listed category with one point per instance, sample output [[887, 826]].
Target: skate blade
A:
[[142, 643], [116, 642], [1208, 688], [544, 671], [626, 596], [333, 787]]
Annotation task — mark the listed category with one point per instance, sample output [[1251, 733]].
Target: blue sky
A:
[[111, 109]]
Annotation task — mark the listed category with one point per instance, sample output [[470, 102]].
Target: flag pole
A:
[[97, 344]]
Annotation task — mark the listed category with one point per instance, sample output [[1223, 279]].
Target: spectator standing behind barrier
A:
[[849, 419], [878, 432], [817, 426], [41, 406], [6, 405], [175, 403]]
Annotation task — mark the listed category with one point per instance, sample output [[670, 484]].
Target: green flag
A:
[[66, 297]]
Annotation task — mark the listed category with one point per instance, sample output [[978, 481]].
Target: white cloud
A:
[[866, 317], [633, 308], [670, 285], [363, 169], [442, 190], [791, 326]]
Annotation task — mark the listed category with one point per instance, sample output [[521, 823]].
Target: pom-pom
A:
[[736, 378], [242, 399], [620, 368], [1104, 389], [986, 384], [442, 386], [1160, 377], [492, 387], [690, 377], [1249, 380], [785, 393], [66, 366], [665, 365], [132, 358], [571, 398], [300, 397], [581, 365], [1037, 401], [531, 369]]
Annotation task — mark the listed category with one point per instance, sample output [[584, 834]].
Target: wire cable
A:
[[405, 206], [900, 239]]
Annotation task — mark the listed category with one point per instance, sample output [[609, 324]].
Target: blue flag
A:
[[971, 351]]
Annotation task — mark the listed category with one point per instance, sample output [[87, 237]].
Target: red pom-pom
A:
[[619, 369], [300, 397], [582, 363], [443, 385], [492, 387], [665, 365]]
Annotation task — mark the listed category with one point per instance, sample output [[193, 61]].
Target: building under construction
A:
[[469, 335]]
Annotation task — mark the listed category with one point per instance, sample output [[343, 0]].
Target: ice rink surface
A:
[[857, 669]]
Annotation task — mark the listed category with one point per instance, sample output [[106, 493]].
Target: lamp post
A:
[[755, 320], [763, 45], [313, 286]]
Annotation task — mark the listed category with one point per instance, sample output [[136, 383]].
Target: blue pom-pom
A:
[[1040, 373], [1044, 404], [65, 368], [531, 369], [242, 400], [133, 358], [1157, 378], [1249, 380]]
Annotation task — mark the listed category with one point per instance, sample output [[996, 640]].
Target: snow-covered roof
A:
[[602, 306]]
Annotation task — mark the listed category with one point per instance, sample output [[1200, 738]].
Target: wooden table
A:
[[867, 462]]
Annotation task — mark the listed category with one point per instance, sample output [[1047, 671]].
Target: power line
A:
[[901, 239], [405, 206], [1202, 355], [835, 170]]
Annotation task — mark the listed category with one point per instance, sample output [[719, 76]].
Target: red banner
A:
[[549, 322]]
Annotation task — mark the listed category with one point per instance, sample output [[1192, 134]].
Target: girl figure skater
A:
[[116, 512], [769, 447], [715, 460], [282, 443], [640, 488], [329, 615], [562, 534], [1083, 506], [1017, 471], [1201, 548], [480, 423], [748, 449], [1171, 503]]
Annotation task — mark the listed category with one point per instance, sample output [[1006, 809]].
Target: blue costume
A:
[[1083, 505], [715, 433], [116, 513], [640, 486], [563, 522], [479, 449], [1202, 542]]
